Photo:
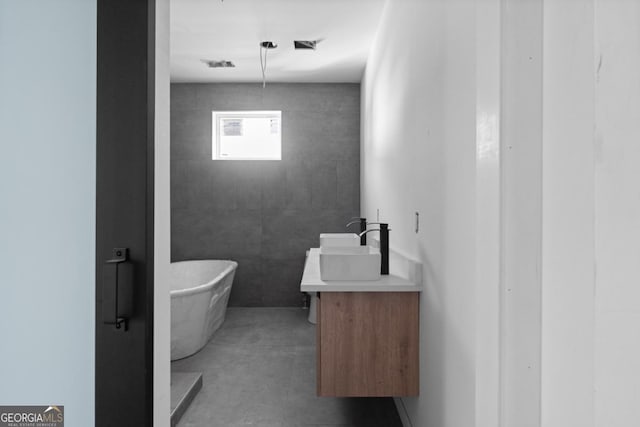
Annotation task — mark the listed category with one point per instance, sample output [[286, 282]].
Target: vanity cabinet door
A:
[[367, 344]]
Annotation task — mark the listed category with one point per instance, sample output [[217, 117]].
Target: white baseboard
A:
[[402, 411]]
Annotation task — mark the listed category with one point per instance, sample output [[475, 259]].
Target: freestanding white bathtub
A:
[[199, 296]]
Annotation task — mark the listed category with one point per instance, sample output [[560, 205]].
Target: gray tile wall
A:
[[264, 214]]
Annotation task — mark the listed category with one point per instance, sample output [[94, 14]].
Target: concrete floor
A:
[[259, 370]]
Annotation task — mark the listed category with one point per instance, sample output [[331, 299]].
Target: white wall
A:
[[521, 212], [488, 212], [162, 225], [418, 154], [591, 316], [47, 205], [617, 213], [536, 161], [568, 216]]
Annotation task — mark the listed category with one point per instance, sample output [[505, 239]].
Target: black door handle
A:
[[117, 289]]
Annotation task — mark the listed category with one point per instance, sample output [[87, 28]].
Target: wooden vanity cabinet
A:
[[367, 344]]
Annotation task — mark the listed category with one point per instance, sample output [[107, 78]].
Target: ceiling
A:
[[233, 29]]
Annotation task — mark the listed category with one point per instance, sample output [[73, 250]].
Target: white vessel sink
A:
[[349, 263], [339, 239]]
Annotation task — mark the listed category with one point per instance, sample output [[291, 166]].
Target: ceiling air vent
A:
[[305, 44], [219, 64]]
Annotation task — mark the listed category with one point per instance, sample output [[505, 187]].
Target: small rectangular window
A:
[[246, 135]]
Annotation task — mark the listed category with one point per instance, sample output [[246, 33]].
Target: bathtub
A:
[[199, 295]]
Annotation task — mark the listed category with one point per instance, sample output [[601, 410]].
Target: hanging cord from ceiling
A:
[[267, 45], [263, 66]]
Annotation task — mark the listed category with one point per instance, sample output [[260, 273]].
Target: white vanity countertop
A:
[[311, 281]]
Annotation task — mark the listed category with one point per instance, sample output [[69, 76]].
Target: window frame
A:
[[217, 115]]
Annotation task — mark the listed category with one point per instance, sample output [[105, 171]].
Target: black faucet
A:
[[384, 245], [363, 228]]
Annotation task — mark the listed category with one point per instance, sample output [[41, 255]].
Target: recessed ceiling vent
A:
[[305, 44], [219, 64]]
